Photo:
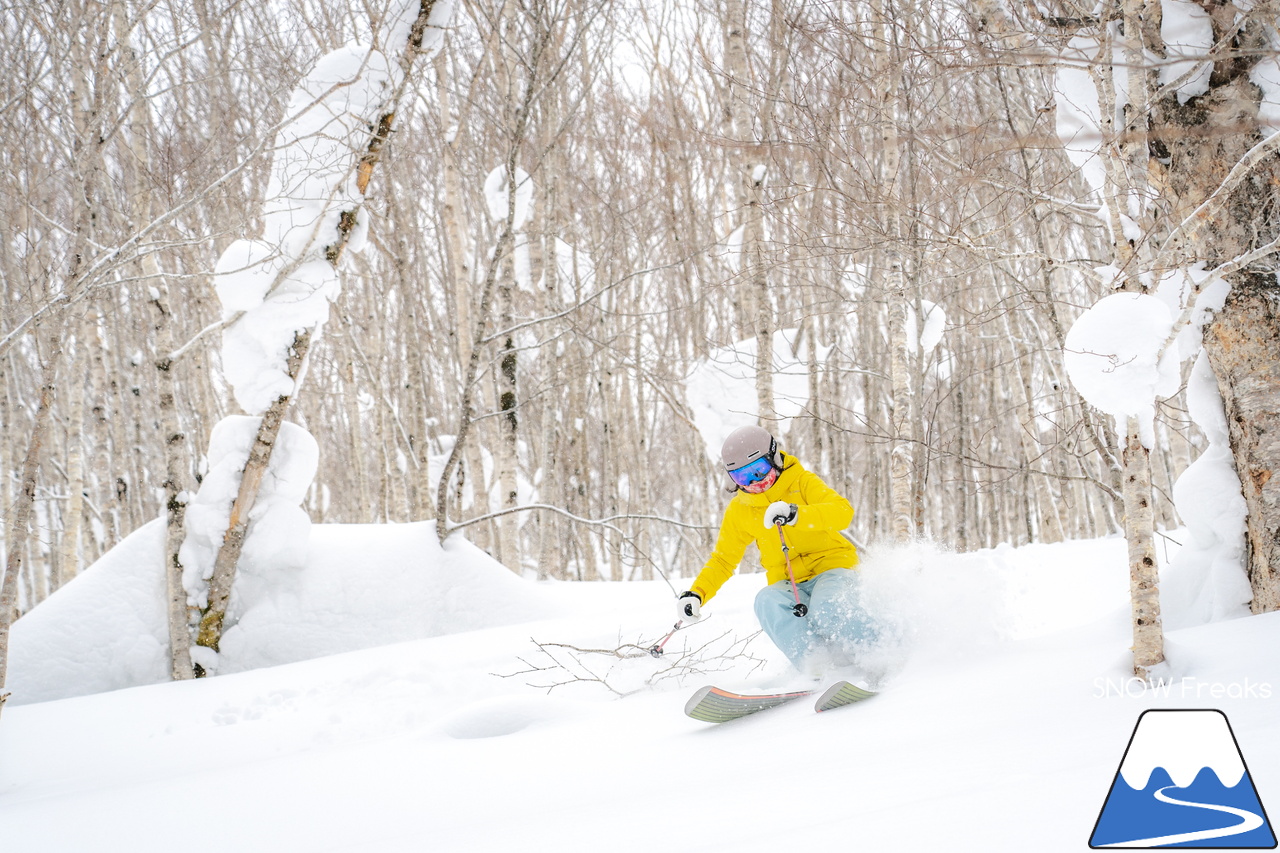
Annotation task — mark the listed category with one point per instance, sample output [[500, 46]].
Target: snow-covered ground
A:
[[1001, 728]]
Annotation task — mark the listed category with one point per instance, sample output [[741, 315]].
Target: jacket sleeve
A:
[[731, 544], [824, 508]]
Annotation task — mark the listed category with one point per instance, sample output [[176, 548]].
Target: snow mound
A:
[[361, 586]]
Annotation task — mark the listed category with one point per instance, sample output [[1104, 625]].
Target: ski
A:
[[713, 705], [840, 694]]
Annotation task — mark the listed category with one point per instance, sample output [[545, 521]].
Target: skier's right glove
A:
[[689, 606]]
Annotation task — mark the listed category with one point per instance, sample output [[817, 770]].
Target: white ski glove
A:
[[689, 606], [780, 512]]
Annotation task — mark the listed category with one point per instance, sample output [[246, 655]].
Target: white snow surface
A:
[[1003, 722]]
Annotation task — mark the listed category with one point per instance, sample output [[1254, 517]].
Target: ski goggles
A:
[[752, 472]]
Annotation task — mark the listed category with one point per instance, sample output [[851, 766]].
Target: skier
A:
[[810, 608]]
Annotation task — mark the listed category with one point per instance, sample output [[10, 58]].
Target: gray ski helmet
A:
[[747, 444]]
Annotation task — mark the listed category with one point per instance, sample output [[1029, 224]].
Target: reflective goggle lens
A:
[[752, 472]]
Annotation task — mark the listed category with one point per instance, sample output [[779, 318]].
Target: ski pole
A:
[[656, 651], [801, 609]]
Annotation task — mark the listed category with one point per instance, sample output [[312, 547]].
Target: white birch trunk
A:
[[1126, 191], [175, 479], [69, 560], [16, 532], [549, 490], [1144, 579], [901, 453], [747, 194]]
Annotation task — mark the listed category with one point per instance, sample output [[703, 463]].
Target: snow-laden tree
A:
[[276, 291], [1169, 105], [1215, 137]]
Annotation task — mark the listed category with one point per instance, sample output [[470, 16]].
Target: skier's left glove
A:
[[780, 512]]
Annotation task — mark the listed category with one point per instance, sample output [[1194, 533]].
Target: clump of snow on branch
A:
[[1266, 76], [721, 389], [313, 174], [925, 336], [497, 196], [1077, 114], [278, 297], [1207, 583], [1190, 286], [283, 283], [398, 24], [1115, 360], [279, 285], [278, 537]]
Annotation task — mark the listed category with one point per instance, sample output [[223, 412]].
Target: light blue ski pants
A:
[[836, 624]]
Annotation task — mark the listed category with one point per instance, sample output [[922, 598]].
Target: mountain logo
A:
[[1183, 783]]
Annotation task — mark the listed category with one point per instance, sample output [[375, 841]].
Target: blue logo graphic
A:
[[1183, 783]]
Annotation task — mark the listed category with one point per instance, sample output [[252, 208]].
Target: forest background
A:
[[876, 195]]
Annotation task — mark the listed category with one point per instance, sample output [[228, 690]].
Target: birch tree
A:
[[748, 172], [20, 515], [1213, 123], [889, 117], [1117, 66], [1189, 184], [336, 219]]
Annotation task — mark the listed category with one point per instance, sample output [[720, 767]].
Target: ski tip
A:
[[696, 699], [840, 694]]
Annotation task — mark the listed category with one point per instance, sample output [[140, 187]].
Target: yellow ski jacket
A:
[[815, 540]]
